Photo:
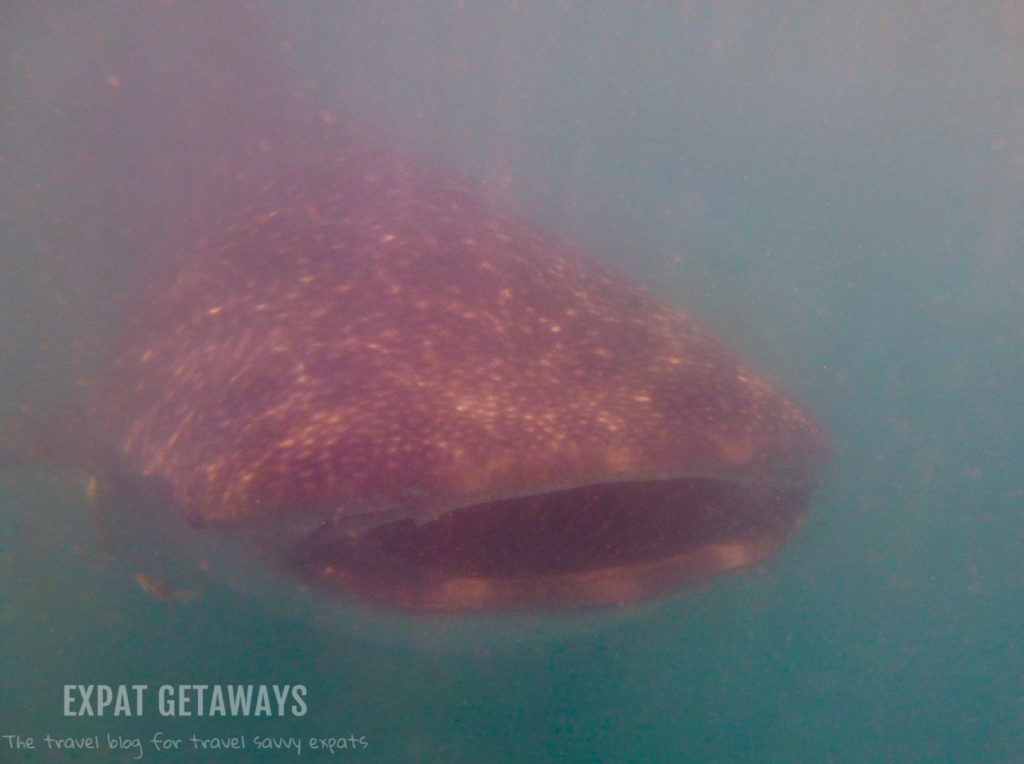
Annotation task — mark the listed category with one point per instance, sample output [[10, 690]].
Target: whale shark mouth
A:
[[602, 544]]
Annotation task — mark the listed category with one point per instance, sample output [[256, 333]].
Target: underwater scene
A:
[[512, 382]]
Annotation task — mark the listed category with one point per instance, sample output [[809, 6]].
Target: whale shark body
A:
[[394, 391]]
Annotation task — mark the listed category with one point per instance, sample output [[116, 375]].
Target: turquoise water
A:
[[837, 192]]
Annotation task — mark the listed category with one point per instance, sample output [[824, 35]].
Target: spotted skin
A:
[[367, 333]]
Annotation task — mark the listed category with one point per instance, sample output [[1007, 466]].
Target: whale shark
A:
[[391, 389]]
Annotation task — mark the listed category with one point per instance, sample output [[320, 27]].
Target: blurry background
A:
[[836, 189]]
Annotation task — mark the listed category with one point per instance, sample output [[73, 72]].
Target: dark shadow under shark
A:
[[368, 376]]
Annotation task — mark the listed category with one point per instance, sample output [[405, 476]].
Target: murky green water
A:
[[837, 192]]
